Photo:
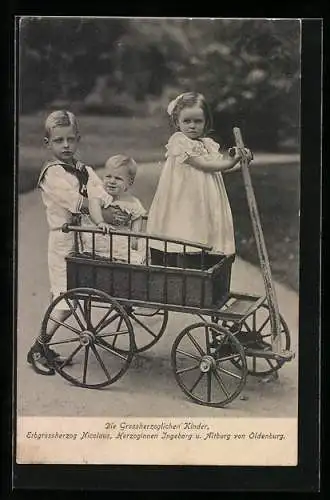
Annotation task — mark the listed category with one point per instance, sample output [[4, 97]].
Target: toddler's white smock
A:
[[120, 249]]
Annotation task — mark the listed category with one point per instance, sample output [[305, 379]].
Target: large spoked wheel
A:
[[201, 360], [84, 339], [255, 332], [148, 324]]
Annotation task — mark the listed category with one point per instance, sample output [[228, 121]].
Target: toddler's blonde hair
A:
[[123, 162]]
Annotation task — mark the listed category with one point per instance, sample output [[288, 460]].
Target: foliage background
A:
[[248, 69], [119, 74]]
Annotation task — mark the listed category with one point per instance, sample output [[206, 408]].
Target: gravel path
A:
[[148, 388]]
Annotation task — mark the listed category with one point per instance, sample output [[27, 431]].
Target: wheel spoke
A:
[[228, 372], [111, 334], [193, 356], [99, 359], [109, 321], [270, 364], [117, 330], [247, 327], [107, 314], [88, 317], [207, 340], [209, 386], [65, 325], [59, 342], [254, 321], [85, 363], [188, 369], [82, 311], [147, 329], [222, 385], [198, 347], [70, 358], [199, 378], [267, 335], [107, 348], [120, 322], [263, 324], [74, 313]]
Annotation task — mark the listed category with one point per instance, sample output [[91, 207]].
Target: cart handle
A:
[[66, 228], [261, 247]]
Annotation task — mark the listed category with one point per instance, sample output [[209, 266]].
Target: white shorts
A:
[[60, 245]]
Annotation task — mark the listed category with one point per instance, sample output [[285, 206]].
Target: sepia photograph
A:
[[158, 209]]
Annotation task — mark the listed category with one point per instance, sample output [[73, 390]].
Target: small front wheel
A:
[[201, 357]]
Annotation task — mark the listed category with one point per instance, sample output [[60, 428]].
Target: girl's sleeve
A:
[[180, 147], [56, 183], [138, 210], [212, 146]]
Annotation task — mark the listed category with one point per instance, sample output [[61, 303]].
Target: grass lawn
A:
[[277, 195], [275, 180]]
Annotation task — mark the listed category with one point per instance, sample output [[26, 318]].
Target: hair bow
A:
[[173, 103]]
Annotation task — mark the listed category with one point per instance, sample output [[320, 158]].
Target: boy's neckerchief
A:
[[79, 170]]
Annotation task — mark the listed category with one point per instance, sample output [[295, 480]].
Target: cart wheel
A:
[[85, 337], [255, 332], [201, 360]]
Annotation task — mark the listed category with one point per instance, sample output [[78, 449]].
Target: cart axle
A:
[[207, 363], [87, 338], [259, 353]]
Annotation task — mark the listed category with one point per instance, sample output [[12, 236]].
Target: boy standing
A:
[[65, 183]]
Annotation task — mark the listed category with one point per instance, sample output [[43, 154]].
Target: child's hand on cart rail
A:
[[105, 227], [244, 153]]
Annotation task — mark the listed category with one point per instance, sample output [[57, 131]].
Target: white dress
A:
[[120, 249], [191, 204]]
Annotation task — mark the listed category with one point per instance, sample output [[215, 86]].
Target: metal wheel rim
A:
[[115, 306]]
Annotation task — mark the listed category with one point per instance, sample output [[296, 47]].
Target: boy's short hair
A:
[[60, 118], [123, 161]]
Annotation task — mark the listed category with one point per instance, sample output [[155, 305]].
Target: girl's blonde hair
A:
[[123, 162], [60, 118], [188, 100]]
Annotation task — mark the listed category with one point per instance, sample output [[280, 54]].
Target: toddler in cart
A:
[[120, 172]]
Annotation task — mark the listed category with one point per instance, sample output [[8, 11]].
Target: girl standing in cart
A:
[[65, 185], [191, 202]]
